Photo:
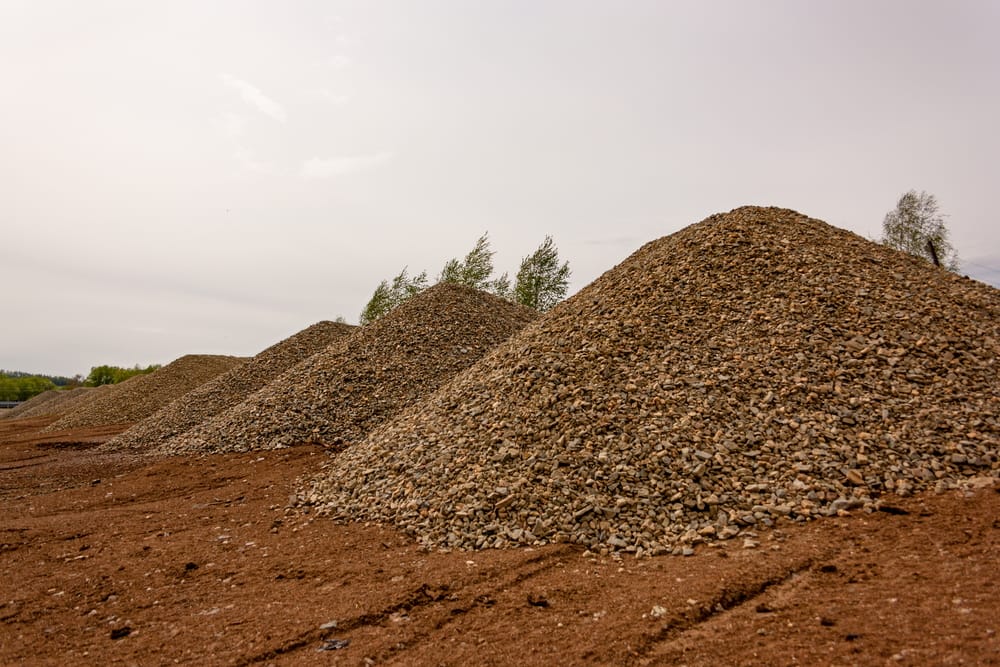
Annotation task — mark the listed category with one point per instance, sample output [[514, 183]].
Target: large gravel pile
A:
[[229, 388], [338, 395], [759, 364], [63, 401], [142, 395], [35, 401]]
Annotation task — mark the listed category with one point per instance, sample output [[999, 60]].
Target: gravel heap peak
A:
[[142, 395], [336, 396], [759, 364], [229, 388]]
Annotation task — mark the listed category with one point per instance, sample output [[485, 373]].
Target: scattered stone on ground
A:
[[336, 396], [142, 395], [755, 366], [229, 388]]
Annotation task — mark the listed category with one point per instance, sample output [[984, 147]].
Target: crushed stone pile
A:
[[35, 401], [229, 388], [759, 364], [336, 396], [142, 395], [63, 401]]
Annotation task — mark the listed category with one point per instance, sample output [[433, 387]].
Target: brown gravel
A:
[[35, 401], [229, 388], [64, 401], [757, 366], [338, 395], [142, 395]]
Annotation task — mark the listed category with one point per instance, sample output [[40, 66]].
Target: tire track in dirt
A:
[[439, 599], [729, 597]]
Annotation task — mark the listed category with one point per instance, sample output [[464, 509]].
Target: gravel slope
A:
[[229, 388], [336, 396], [35, 401], [64, 401], [142, 395], [756, 365]]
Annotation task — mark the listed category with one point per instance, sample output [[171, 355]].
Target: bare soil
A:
[[112, 560]]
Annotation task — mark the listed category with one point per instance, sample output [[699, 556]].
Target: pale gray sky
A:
[[211, 177]]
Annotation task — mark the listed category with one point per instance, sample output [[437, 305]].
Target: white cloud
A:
[[232, 125], [248, 162], [340, 62], [319, 168], [255, 98], [331, 97]]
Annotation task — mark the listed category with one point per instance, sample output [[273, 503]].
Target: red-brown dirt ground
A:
[[109, 560]]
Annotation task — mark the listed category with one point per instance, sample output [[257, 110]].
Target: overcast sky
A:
[[212, 177]]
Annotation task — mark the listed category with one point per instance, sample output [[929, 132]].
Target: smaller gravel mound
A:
[[61, 403], [34, 402], [230, 388], [142, 395], [338, 395]]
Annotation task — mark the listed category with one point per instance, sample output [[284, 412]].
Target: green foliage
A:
[[57, 380], [114, 374], [389, 295], [502, 288], [541, 281], [913, 223], [23, 387], [475, 270]]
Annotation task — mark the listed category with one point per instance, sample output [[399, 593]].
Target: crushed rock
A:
[[756, 366], [35, 401], [142, 395], [336, 396], [229, 388], [64, 401]]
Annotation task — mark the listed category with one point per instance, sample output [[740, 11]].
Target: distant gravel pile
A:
[[757, 365], [142, 395], [34, 402], [229, 388], [336, 396], [63, 401]]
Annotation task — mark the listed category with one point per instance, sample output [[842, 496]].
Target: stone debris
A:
[[32, 403], [64, 402], [336, 396], [142, 395], [756, 366], [229, 388]]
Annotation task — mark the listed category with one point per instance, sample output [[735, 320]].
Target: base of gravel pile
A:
[[337, 396], [229, 388], [755, 366], [142, 395]]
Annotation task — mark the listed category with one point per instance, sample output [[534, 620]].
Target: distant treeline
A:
[[57, 380], [114, 374], [23, 387], [20, 386]]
